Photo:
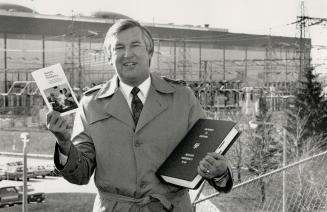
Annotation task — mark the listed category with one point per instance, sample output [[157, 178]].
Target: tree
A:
[[265, 149], [308, 108]]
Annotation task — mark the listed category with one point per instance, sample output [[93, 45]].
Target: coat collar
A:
[[110, 87], [118, 107]]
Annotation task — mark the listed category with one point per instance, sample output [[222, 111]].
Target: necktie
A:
[[136, 105]]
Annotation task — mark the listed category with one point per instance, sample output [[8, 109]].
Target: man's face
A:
[[129, 56]]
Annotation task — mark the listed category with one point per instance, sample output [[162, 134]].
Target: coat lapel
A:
[[155, 103], [116, 106], [153, 106]]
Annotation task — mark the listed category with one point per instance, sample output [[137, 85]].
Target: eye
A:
[[118, 47], [136, 44]]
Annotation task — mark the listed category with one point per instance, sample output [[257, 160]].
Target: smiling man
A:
[[126, 128], [128, 54]]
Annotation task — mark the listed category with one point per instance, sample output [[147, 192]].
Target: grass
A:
[[41, 141], [59, 202]]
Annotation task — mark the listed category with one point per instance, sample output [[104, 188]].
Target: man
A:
[[124, 134]]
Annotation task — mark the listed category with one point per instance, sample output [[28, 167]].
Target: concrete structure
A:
[[29, 41]]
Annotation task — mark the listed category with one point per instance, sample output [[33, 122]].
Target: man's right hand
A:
[[58, 126]]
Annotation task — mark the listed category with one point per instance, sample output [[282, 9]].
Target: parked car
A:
[[14, 163], [40, 171], [2, 173], [52, 170], [16, 173], [11, 195], [32, 196]]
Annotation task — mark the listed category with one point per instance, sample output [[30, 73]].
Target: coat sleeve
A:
[[81, 157], [227, 186]]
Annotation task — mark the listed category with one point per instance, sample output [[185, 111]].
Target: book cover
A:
[[207, 135], [55, 89]]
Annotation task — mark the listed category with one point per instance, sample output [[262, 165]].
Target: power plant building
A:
[[29, 41]]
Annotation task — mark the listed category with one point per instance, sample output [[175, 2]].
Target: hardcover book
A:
[[207, 135]]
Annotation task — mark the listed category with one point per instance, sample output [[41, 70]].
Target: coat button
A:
[[137, 144], [143, 184]]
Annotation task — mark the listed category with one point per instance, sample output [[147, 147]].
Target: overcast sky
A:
[[246, 16]]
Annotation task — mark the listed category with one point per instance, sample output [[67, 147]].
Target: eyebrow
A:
[[136, 42], [133, 42]]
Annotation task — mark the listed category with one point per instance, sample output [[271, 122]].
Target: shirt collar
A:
[[144, 89], [110, 87]]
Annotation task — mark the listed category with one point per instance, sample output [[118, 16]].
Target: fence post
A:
[[284, 172]]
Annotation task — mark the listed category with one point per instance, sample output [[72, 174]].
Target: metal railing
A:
[[303, 188]]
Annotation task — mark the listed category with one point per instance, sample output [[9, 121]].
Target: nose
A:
[[128, 52]]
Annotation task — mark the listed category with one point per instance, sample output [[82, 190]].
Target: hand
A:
[[212, 165], [59, 128]]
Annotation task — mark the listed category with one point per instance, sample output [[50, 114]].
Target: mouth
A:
[[129, 64]]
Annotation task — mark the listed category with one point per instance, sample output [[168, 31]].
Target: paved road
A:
[[49, 184], [60, 185]]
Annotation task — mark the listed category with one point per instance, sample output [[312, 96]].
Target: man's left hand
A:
[[212, 165]]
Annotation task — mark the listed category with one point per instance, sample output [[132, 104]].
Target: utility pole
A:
[[286, 81], [244, 76], [200, 61], [302, 26], [25, 139], [5, 60], [158, 57], [72, 34], [302, 23], [175, 62], [79, 63], [284, 173], [224, 63], [184, 60], [205, 70], [43, 51]]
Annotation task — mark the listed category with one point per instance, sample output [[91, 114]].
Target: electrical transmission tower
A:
[[303, 22]]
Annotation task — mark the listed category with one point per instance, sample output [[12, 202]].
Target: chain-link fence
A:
[[297, 187]]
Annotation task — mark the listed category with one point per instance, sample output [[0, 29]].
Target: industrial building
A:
[[29, 41]]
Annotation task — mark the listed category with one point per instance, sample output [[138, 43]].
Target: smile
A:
[[129, 64]]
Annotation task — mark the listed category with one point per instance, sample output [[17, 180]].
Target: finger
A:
[[53, 113], [60, 124], [49, 116], [63, 126], [204, 172], [211, 160], [205, 165], [216, 155], [202, 169], [55, 123], [201, 172]]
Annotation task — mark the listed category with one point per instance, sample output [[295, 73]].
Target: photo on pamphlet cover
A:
[[55, 89]]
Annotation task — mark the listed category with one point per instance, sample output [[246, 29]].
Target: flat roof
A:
[[55, 25]]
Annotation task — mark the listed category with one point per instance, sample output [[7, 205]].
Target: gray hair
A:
[[125, 24]]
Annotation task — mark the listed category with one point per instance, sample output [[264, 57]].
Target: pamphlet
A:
[[55, 89]]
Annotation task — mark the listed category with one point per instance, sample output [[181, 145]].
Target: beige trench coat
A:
[[125, 157]]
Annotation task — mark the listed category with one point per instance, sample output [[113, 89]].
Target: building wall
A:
[[254, 60]]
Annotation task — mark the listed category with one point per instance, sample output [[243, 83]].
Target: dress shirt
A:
[[142, 94]]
